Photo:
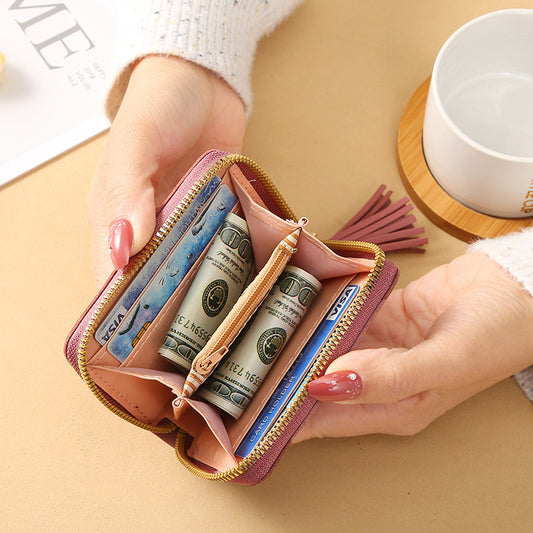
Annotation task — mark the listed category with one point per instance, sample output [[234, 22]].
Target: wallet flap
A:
[[197, 418]]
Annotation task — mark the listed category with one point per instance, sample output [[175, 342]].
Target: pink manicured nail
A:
[[120, 240], [336, 387]]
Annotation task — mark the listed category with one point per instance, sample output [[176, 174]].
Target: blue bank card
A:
[[124, 303]]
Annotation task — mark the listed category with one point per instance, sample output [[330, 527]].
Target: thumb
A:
[[381, 375], [121, 203]]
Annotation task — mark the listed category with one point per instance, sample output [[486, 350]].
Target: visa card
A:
[[145, 274]]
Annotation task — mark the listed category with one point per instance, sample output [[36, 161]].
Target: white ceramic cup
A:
[[478, 125]]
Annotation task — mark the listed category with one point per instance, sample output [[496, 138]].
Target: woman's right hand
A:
[[172, 112], [448, 335]]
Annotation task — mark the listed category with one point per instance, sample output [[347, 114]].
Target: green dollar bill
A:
[[238, 376], [216, 287]]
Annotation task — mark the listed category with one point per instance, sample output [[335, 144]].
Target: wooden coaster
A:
[[447, 213]]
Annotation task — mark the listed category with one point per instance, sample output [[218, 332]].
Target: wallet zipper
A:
[[318, 367], [316, 370], [141, 259]]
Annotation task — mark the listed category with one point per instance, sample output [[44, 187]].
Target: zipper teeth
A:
[[359, 246], [258, 295], [289, 412], [141, 259], [292, 408], [267, 183]]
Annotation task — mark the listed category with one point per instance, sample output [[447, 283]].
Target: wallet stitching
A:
[[120, 394], [265, 216]]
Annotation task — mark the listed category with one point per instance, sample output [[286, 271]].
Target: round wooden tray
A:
[[447, 213]]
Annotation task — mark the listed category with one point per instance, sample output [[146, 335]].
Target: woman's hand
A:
[[172, 112], [447, 336]]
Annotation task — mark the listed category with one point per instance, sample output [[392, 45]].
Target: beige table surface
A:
[[330, 86]]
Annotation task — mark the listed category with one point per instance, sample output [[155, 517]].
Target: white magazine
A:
[[52, 89]]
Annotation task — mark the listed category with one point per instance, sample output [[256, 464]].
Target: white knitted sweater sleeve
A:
[[514, 252], [221, 35]]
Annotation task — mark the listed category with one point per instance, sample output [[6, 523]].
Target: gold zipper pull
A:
[[205, 364], [201, 368]]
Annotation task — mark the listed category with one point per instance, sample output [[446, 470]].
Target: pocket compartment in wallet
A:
[[146, 385]]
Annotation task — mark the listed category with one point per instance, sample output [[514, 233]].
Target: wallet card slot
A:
[[144, 354], [181, 236], [184, 256], [163, 320]]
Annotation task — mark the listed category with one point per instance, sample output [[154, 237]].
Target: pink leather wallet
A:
[[145, 390]]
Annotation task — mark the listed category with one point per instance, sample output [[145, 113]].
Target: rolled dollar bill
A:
[[219, 282], [238, 376]]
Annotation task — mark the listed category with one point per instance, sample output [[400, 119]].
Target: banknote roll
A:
[[219, 282], [238, 376]]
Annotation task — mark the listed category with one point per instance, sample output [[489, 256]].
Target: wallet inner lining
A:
[[147, 386], [150, 393]]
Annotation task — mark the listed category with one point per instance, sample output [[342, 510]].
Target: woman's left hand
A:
[[447, 336]]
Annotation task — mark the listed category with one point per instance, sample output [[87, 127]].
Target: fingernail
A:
[[336, 387], [120, 241]]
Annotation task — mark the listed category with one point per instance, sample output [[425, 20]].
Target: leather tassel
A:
[[385, 223]]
